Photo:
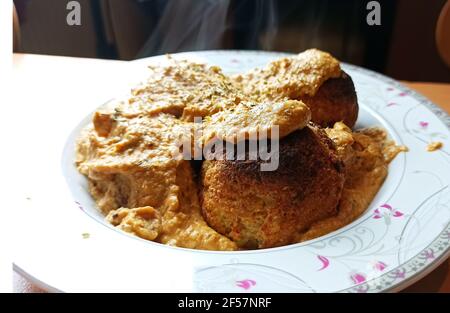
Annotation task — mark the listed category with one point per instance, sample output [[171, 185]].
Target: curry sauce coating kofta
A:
[[262, 209], [314, 77], [126, 153]]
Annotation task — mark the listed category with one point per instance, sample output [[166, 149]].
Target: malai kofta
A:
[[326, 177]]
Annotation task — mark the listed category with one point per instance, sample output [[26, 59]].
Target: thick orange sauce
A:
[[127, 152], [366, 154]]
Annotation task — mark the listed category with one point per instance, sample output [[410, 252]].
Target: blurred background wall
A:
[[403, 46]]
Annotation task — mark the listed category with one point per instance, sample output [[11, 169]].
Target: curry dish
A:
[[327, 175]]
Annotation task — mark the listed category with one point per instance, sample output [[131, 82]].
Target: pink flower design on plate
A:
[[379, 266], [423, 124], [389, 89], [377, 214], [399, 273], [402, 94], [325, 262], [357, 278], [246, 283], [390, 104], [428, 254], [388, 210], [386, 206]]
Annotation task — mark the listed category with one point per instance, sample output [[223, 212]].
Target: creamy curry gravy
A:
[[292, 77], [127, 152]]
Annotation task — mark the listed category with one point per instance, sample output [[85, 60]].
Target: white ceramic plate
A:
[[402, 236]]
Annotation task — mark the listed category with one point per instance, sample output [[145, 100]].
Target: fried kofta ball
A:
[[335, 101], [262, 209]]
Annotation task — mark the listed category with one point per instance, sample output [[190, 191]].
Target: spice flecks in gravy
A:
[[127, 151]]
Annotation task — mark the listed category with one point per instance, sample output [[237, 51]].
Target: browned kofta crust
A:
[[335, 101], [260, 209]]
